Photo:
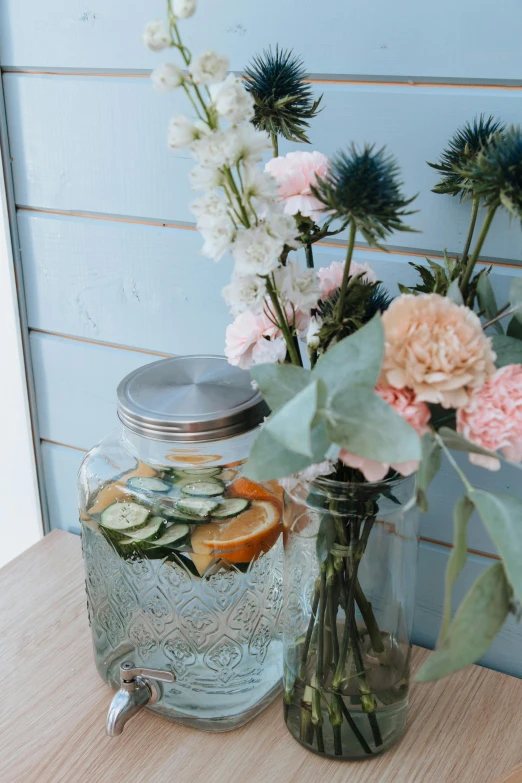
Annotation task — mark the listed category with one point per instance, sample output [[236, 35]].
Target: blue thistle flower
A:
[[462, 149], [362, 187], [283, 98]]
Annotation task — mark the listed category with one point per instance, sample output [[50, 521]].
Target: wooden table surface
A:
[[467, 729]]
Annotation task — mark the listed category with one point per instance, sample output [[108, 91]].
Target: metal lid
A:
[[189, 399]]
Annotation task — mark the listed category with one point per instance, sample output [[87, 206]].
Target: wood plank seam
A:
[[395, 81], [339, 243]]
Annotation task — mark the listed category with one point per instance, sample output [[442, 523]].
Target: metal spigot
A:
[[138, 687]]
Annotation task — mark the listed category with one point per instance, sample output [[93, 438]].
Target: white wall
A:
[[20, 514]]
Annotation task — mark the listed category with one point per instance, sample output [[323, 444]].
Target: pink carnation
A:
[[492, 418], [417, 414], [435, 347], [247, 343], [331, 277], [295, 174]]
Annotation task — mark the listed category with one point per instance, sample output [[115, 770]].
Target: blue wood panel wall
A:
[[111, 263]]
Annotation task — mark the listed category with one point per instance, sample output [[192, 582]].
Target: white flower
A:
[[232, 100], [209, 67], [156, 36], [167, 77], [256, 252], [269, 351], [183, 8], [298, 285], [257, 184], [245, 293], [181, 132], [215, 150], [312, 335], [218, 235], [202, 178], [251, 144], [283, 227], [209, 207]]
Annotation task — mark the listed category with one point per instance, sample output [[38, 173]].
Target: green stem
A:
[[471, 229], [452, 462], [293, 350], [352, 724], [368, 616], [233, 187], [309, 255], [474, 256], [310, 629], [275, 144], [367, 700], [320, 630], [346, 271]]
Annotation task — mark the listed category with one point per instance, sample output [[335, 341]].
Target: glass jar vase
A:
[[349, 589], [183, 555]]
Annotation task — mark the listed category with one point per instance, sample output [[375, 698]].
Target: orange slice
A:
[[248, 535], [117, 490], [244, 488]]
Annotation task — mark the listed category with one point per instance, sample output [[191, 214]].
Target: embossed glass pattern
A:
[[211, 617]]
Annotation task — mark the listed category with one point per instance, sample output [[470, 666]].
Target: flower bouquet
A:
[[366, 388]]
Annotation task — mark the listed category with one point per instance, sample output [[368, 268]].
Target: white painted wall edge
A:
[[21, 518]]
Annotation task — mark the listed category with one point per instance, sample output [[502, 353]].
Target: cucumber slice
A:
[[194, 507], [179, 483], [230, 508], [204, 489], [123, 516], [151, 530], [172, 536], [148, 484], [197, 471], [169, 508]]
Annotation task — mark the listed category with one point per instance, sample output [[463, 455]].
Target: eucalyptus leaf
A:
[[325, 537], [508, 350], [361, 422], [515, 292], [354, 361], [487, 300], [269, 459], [502, 517], [428, 468], [454, 293], [515, 327], [292, 424], [280, 383], [462, 512], [479, 618]]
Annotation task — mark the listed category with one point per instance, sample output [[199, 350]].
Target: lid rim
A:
[[202, 376]]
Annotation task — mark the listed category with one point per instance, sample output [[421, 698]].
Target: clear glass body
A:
[[349, 588], [206, 606]]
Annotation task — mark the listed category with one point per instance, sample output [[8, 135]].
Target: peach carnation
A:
[[492, 418], [331, 277], [436, 348], [295, 174], [416, 413]]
